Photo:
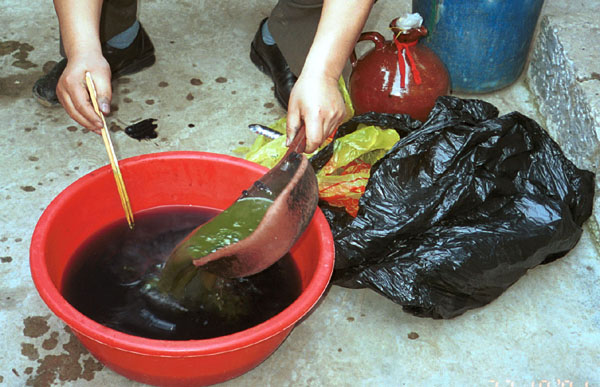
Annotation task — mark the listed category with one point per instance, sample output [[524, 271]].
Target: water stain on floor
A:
[[8, 47], [114, 127], [73, 363], [413, 335], [35, 326], [20, 51], [18, 86], [51, 342], [30, 351]]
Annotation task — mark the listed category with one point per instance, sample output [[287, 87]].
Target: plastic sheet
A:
[[459, 209]]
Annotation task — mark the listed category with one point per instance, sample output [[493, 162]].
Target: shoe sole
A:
[[264, 68], [44, 102]]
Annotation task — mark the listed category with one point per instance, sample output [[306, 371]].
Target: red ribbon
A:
[[411, 62]]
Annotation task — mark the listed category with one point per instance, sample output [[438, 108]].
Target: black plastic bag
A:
[[459, 209]]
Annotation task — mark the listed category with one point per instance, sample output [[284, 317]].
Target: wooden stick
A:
[[111, 153]]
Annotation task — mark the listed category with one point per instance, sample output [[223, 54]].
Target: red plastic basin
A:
[[171, 178]]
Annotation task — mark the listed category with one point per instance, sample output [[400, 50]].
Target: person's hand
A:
[[72, 92], [317, 103]]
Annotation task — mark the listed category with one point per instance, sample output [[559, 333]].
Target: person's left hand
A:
[[317, 103]]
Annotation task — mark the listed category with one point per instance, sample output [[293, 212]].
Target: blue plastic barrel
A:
[[483, 43]]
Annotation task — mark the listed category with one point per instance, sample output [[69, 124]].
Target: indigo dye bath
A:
[[112, 280]]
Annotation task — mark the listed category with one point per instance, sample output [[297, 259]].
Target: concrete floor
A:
[[544, 330]]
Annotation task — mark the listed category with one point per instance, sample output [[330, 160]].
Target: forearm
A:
[[80, 31], [340, 25], [79, 22]]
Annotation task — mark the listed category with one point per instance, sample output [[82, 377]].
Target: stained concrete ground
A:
[[544, 330]]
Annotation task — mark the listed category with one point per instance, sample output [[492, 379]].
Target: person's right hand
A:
[[72, 92], [316, 103]]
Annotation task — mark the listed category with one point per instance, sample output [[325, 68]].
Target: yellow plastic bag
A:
[[268, 152], [343, 179]]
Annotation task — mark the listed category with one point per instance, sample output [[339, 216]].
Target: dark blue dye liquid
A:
[[108, 281]]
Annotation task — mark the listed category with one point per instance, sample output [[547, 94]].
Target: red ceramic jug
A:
[[398, 76]]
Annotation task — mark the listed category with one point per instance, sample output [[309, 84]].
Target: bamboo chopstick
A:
[[111, 153]]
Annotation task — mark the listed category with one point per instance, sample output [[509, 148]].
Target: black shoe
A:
[[270, 61], [130, 60]]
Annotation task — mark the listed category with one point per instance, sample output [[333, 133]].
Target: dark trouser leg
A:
[[116, 17], [293, 24]]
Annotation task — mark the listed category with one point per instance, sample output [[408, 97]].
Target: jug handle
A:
[[375, 37]]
